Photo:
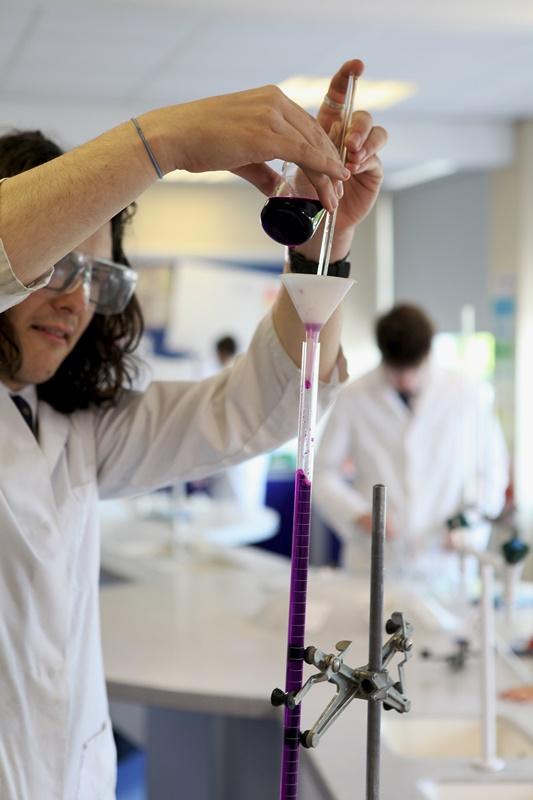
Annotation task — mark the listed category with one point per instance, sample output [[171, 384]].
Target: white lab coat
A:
[[55, 735], [424, 456]]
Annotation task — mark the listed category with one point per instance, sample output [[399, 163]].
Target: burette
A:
[[315, 298], [331, 217]]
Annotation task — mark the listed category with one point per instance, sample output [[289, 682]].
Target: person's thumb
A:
[[261, 176]]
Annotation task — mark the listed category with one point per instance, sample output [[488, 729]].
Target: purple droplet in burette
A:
[[291, 220], [312, 332]]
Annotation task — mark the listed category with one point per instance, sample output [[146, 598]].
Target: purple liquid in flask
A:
[[291, 220]]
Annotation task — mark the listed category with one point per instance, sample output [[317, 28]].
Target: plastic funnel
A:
[[316, 297]]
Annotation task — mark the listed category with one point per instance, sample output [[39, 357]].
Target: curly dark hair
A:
[[101, 365], [404, 336]]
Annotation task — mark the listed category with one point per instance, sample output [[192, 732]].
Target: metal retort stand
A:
[[371, 682]]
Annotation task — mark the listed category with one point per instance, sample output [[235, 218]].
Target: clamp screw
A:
[[278, 698], [391, 626]]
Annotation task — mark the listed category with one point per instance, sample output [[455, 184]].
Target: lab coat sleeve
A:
[[12, 291], [187, 430], [493, 461], [339, 503]]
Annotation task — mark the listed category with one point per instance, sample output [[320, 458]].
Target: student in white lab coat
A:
[[246, 483], [426, 433], [65, 341]]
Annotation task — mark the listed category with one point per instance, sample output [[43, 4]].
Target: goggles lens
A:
[[108, 286]]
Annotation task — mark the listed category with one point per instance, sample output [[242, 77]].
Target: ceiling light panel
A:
[[308, 92]]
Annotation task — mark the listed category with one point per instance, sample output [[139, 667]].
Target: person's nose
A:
[[76, 299]]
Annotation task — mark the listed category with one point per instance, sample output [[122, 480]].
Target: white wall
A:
[[441, 246]]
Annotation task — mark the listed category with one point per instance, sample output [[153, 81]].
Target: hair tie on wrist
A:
[[299, 263], [148, 149]]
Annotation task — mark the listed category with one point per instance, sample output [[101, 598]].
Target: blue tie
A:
[[25, 409], [406, 398]]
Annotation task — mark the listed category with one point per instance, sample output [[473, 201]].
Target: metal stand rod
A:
[[375, 639], [489, 756]]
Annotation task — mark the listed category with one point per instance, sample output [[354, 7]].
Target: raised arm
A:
[[364, 141], [48, 211]]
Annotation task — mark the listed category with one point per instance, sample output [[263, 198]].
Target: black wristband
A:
[[299, 263]]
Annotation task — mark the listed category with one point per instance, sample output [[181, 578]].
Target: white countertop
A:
[[210, 635]]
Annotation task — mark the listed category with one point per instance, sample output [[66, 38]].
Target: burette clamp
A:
[[360, 683]]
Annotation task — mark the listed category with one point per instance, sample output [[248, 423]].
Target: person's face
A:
[[407, 380], [225, 359], [48, 324]]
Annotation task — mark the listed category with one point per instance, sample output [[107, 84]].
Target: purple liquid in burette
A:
[[296, 637], [291, 220], [301, 531]]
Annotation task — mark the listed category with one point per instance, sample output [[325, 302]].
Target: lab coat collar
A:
[[30, 495], [29, 393], [419, 399], [53, 427]]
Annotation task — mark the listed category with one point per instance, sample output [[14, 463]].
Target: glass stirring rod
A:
[[329, 225]]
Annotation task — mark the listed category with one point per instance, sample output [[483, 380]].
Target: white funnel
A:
[[315, 297]]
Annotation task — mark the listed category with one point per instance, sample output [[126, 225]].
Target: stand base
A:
[[490, 765]]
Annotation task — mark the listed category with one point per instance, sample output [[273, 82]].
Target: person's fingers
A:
[[325, 173], [306, 123], [309, 128], [359, 129], [365, 522], [261, 176], [371, 166], [520, 694], [339, 82], [267, 180], [335, 133], [252, 127], [309, 146], [297, 137], [328, 192], [337, 91], [364, 139]]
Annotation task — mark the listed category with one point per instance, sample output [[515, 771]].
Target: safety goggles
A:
[[108, 286]]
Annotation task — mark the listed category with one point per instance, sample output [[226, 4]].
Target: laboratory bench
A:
[[194, 646]]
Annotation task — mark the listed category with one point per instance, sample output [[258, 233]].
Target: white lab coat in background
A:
[[421, 455], [55, 734]]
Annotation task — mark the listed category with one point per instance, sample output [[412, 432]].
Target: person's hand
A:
[[520, 694], [241, 131], [363, 142], [365, 523]]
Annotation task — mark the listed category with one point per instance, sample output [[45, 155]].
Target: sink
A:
[[497, 790], [453, 737]]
